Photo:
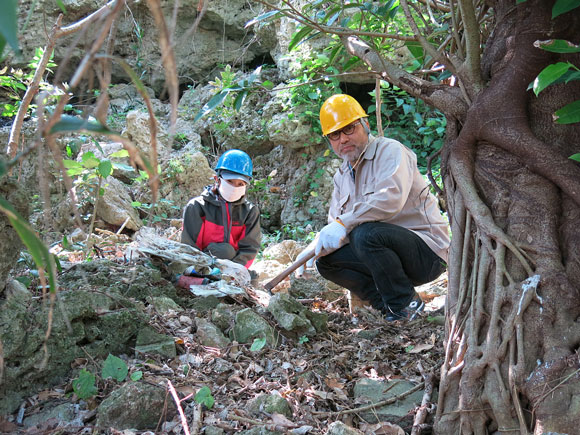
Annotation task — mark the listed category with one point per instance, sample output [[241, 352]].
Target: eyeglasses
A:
[[348, 130]]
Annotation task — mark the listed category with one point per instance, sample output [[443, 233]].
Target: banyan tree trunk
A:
[[512, 360]]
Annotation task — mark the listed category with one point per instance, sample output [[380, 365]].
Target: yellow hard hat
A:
[[338, 111]]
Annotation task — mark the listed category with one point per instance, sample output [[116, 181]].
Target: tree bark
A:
[[513, 336]]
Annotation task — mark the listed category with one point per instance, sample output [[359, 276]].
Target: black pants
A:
[[382, 264]]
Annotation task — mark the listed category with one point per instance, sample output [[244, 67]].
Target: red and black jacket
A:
[[208, 218]]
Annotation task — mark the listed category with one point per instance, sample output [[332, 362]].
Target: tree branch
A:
[[296, 15], [472, 62], [445, 98], [442, 59]]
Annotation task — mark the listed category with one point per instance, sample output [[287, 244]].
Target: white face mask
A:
[[230, 192]]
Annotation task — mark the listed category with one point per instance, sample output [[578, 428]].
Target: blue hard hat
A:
[[235, 161]]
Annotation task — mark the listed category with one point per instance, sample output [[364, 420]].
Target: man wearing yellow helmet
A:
[[385, 233]]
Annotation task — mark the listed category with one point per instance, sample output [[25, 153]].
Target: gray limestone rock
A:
[[210, 335], [250, 325], [269, 403], [339, 428], [151, 342], [135, 405], [372, 391]]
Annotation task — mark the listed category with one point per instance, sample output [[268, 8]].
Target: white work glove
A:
[[310, 263], [330, 237]]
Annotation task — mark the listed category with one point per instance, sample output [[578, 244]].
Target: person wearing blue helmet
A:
[[221, 221]]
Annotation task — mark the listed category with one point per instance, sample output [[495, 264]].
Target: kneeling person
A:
[[386, 233], [221, 222]]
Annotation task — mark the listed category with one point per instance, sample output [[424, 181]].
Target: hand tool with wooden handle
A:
[[274, 282]]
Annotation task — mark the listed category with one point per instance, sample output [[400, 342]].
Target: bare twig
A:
[[438, 56], [179, 408], [372, 405], [378, 104], [423, 411], [32, 90]]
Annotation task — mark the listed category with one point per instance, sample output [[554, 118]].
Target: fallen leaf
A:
[[421, 348], [322, 394], [333, 382], [280, 420], [384, 429]]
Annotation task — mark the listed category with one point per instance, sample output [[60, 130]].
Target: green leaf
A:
[[549, 75], [268, 84], [120, 153], [204, 397], [89, 160], [37, 249], [258, 344], [61, 6], [3, 167], [105, 168], [8, 24], [114, 367], [575, 157], [240, 98], [133, 75], [71, 164], [123, 166], [568, 114], [299, 37], [557, 46], [351, 63], [268, 16], [24, 280], [563, 6], [215, 101], [69, 123], [135, 376], [2, 45], [417, 51], [84, 386]]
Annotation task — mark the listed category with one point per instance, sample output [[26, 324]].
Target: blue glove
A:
[[330, 237]]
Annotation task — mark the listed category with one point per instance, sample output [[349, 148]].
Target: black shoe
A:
[[410, 312]]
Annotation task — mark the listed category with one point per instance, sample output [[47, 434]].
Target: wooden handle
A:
[[274, 282]]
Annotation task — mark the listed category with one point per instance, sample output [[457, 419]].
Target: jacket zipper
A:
[[227, 228]]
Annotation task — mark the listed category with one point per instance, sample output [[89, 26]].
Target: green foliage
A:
[[575, 157], [204, 397], [304, 339], [14, 83], [568, 114], [558, 46], [88, 170], [560, 72], [411, 122], [43, 259], [69, 124], [85, 385], [552, 73], [114, 367], [8, 26], [563, 6], [258, 344], [230, 94], [137, 375], [304, 95]]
